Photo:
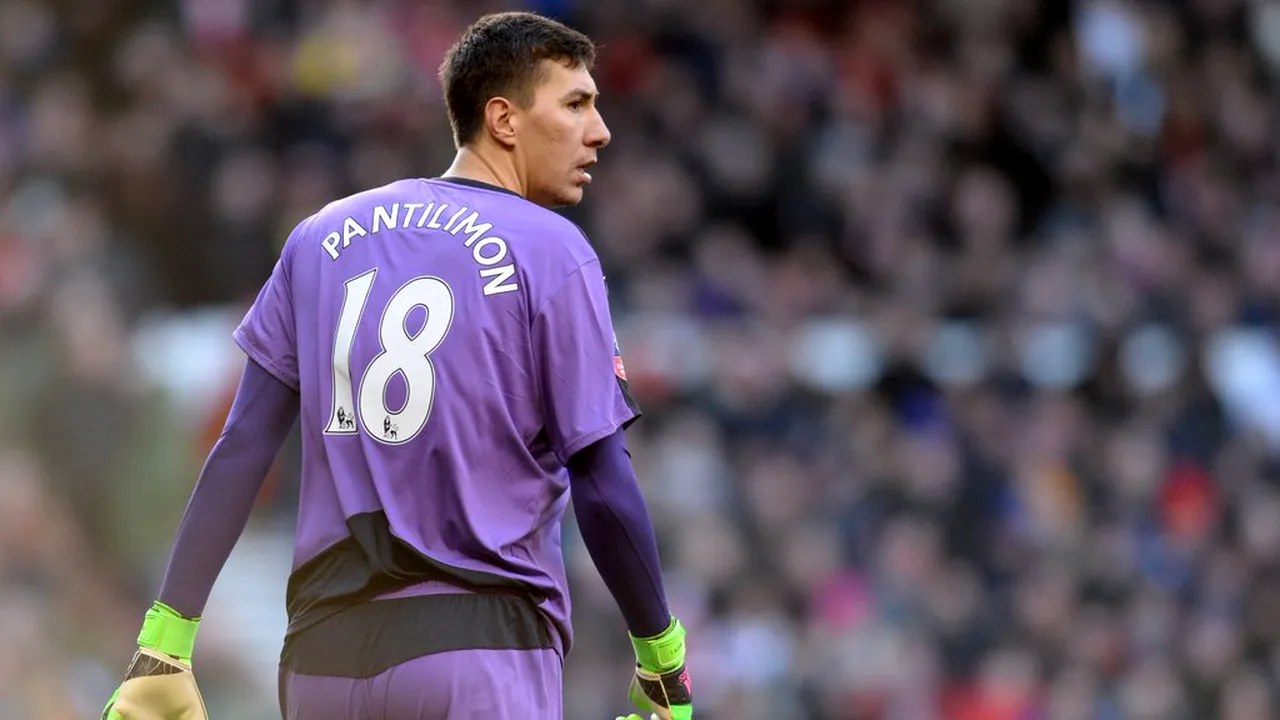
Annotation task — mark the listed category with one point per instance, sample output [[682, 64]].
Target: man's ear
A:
[[500, 121]]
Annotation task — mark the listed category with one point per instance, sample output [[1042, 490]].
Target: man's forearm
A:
[[261, 417], [616, 529]]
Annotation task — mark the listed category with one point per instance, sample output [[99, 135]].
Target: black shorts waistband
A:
[[370, 638]]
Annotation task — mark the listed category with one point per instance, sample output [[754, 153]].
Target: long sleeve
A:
[[618, 533], [262, 414]]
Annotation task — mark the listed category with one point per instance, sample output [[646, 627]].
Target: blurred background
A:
[[954, 322]]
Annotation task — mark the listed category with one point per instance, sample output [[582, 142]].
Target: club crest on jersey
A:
[[618, 368]]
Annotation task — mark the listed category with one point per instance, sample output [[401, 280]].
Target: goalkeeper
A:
[[608, 505], [446, 421]]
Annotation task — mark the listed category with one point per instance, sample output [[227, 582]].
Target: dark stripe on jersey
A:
[[631, 403], [369, 639], [370, 562]]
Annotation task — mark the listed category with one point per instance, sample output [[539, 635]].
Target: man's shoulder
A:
[[566, 235], [557, 250], [540, 236]]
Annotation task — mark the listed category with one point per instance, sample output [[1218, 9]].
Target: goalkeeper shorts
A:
[[493, 684]]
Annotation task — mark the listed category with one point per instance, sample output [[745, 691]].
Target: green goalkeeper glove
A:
[[159, 684], [661, 682]]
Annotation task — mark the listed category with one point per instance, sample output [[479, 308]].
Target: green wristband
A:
[[661, 653], [164, 630]]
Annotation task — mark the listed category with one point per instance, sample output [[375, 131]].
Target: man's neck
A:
[[473, 165]]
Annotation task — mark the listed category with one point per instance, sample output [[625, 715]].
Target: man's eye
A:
[[577, 104]]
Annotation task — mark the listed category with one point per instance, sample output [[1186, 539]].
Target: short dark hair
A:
[[500, 55]]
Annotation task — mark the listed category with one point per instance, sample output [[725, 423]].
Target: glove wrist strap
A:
[[166, 631], [661, 653]]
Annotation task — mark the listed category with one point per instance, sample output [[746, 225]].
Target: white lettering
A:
[[408, 212], [330, 244], [425, 214], [384, 219], [474, 230], [491, 259], [486, 250], [499, 275], [350, 229], [434, 224], [455, 217]]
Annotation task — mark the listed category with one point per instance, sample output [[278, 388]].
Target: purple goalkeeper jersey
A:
[[452, 347]]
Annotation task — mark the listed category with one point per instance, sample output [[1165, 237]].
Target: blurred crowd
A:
[[952, 321]]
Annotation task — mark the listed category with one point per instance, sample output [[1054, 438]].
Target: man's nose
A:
[[598, 134]]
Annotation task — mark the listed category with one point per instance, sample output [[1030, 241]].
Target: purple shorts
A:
[[456, 685]]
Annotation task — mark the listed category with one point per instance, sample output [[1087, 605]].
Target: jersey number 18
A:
[[402, 352]]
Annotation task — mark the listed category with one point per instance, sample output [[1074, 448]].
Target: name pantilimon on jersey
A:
[[487, 250]]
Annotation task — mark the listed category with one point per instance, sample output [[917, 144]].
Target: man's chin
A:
[[569, 198], [566, 196]]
